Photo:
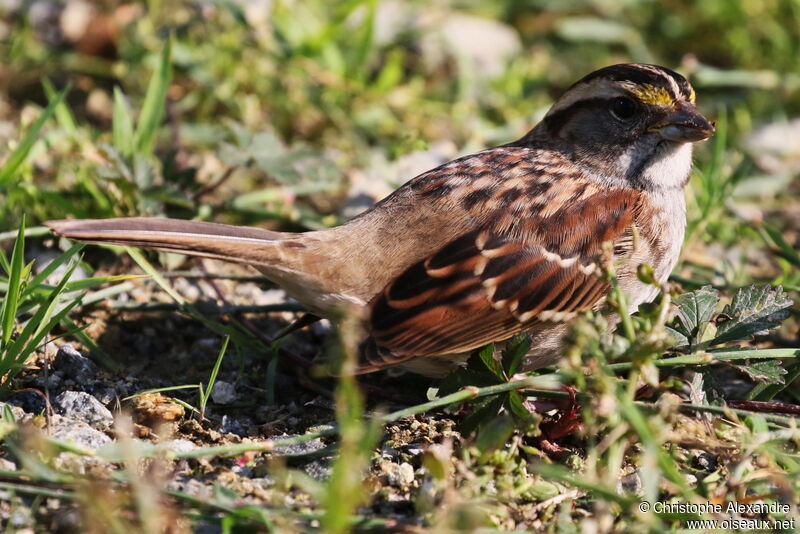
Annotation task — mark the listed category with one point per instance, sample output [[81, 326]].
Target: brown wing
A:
[[497, 281]]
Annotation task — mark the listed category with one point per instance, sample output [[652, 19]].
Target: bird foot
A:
[[565, 422]]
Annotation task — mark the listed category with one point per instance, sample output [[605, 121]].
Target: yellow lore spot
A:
[[652, 95]]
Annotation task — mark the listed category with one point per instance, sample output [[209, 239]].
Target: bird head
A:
[[630, 125]]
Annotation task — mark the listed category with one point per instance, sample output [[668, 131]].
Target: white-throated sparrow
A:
[[490, 244]]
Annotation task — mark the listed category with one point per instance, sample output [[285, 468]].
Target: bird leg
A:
[[566, 421]]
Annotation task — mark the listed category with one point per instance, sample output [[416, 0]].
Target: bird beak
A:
[[684, 125]]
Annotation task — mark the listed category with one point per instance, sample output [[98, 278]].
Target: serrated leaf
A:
[[754, 310], [695, 310], [763, 371], [516, 349]]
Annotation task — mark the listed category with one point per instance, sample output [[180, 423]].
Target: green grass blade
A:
[[11, 301], [160, 390], [122, 135], [154, 103], [45, 319], [215, 371], [87, 283], [147, 267], [20, 154], [4, 263], [63, 114], [63, 258], [53, 300], [788, 250]]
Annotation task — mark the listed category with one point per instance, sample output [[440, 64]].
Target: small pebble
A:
[[630, 484], [78, 432], [230, 425], [223, 392], [72, 364], [398, 475], [29, 401], [83, 407], [705, 461], [179, 445]]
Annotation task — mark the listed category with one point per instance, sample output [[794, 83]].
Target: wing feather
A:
[[489, 284]]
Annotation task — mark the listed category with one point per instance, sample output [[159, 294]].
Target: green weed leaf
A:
[[513, 353], [763, 371], [695, 310], [754, 310], [495, 433]]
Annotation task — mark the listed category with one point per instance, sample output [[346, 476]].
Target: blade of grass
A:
[[63, 258], [711, 357], [206, 393], [62, 112], [773, 236], [11, 300], [154, 103], [147, 267], [122, 135], [160, 390], [20, 154], [44, 320]]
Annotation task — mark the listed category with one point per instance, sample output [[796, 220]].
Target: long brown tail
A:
[[253, 246]]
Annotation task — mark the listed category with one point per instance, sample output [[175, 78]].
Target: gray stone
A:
[[230, 425], [178, 445], [223, 392], [398, 475], [29, 401], [298, 448], [71, 363], [705, 461], [481, 45], [20, 517], [78, 432], [16, 411], [630, 483], [319, 470], [83, 407]]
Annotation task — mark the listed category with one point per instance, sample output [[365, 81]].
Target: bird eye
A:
[[623, 108]]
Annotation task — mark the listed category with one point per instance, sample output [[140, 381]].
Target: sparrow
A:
[[507, 240]]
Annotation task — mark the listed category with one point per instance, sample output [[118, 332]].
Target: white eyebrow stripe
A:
[[597, 88], [606, 88]]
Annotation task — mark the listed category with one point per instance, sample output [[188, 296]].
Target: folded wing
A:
[[492, 283]]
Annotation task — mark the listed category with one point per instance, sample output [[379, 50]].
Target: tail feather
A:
[[253, 246]]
